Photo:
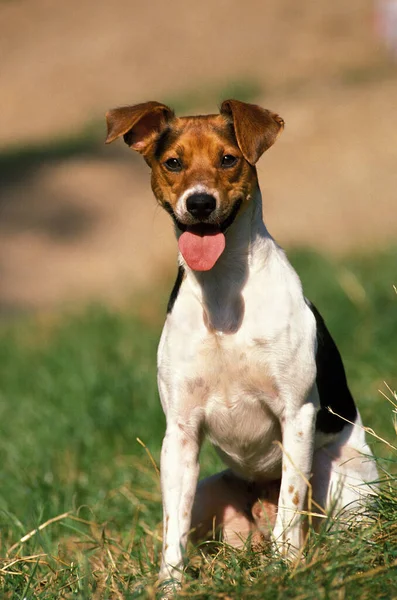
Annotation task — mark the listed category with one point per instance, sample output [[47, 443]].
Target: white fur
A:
[[236, 361]]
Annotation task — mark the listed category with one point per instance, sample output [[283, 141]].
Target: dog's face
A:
[[198, 170], [203, 168]]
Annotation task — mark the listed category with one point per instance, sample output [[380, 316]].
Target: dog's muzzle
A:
[[223, 226], [202, 243]]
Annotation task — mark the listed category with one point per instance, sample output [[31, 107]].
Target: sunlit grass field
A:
[[81, 428]]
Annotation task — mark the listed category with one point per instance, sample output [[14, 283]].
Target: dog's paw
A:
[[286, 544], [288, 553]]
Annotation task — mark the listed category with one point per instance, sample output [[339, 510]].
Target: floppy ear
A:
[[137, 124], [256, 128]]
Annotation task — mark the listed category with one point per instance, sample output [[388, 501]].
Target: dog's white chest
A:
[[241, 405], [235, 385]]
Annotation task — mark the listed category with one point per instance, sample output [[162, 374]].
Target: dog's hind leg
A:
[[232, 509], [344, 474]]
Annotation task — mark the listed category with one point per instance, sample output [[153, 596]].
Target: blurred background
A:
[[87, 259], [78, 220]]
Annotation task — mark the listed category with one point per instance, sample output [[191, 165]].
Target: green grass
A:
[[77, 390]]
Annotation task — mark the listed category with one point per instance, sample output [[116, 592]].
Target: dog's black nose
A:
[[201, 206]]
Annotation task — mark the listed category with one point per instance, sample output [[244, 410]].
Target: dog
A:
[[244, 358]]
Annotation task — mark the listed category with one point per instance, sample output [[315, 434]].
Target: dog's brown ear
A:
[[256, 128], [137, 124]]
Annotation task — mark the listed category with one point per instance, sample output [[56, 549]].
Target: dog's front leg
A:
[[298, 442], [179, 475]]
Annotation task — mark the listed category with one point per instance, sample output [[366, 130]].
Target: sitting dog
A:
[[244, 358]]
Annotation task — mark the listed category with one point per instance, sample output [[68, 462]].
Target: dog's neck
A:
[[220, 289]]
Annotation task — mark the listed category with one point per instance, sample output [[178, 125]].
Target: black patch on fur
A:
[[175, 289], [164, 141], [331, 381], [233, 214]]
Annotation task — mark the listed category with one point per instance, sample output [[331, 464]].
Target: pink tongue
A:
[[201, 251]]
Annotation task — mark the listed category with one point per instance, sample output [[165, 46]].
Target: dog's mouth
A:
[[202, 244]]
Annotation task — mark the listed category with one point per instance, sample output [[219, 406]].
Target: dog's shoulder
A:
[[331, 381]]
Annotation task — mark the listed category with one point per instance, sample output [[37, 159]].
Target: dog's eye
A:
[[228, 161], [173, 164]]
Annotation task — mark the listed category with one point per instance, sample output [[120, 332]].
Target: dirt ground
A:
[[83, 225]]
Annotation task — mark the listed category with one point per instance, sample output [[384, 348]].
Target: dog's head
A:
[[203, 168]]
